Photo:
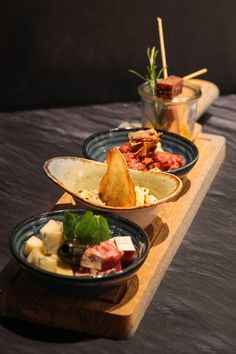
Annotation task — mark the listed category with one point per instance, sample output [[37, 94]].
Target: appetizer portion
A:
[[111, 191], [169, 87], [169, 102], [81, 178], [80, 246], [143, 152], [117, 188]]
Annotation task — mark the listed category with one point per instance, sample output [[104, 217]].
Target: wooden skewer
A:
[[162, 45], [163, 55], [194, 74]]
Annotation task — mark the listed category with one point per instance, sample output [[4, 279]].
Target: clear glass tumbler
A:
[[177, 115]]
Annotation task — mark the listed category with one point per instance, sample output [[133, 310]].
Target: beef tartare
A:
[[143, 152]]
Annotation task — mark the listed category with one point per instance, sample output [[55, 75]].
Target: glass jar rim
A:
[[175, 100]]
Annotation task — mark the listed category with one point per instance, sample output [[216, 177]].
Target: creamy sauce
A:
[[143, 196]]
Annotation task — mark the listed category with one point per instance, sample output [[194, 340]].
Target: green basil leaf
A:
[[104, 230], [70, 220], [92, 229]]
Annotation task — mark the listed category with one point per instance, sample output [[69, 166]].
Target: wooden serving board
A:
[[117, 314]]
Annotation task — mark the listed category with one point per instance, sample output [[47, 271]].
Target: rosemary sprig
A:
[[151, 76]]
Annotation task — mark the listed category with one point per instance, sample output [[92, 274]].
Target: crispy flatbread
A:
[[117, 186]]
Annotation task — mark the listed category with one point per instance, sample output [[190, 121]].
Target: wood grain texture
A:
[[120, 317]]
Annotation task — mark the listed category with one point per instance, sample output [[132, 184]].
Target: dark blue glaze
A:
[[96, 146], [83, 285]]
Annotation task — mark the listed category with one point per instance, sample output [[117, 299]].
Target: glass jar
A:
[[176, 115]]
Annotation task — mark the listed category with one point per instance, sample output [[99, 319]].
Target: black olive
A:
[[71, 252]]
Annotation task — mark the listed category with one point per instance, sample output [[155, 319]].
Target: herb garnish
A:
[[70, 220], [151, 76], [88, 230]]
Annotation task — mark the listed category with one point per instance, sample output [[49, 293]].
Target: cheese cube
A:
[[48, 263], [52, 226], [124, 243], [52, 234], [63, 268], [34, 256], [31, 243]]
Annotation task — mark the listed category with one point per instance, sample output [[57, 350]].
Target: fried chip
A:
[[145, 135], [143, 141], [142, 148], [117, 187]]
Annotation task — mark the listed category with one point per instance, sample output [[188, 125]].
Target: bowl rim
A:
[[179, 186], [129, 129], [85, 280]]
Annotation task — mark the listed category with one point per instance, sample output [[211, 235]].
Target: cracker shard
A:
[[117, 187]]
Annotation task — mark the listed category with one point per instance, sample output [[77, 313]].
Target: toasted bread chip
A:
[[142, 148], [145, 135], [117, 186]]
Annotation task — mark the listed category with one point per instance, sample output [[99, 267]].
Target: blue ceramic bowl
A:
[[82, 286], [96, 146]]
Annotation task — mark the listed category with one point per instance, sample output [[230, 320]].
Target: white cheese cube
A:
[[124, 243], [52, 234], [34, 256], [63, 268], [51, 243], [48, 263], [52, 226], [31, 243]]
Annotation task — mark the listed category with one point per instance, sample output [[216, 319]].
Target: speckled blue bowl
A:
[[82, 286], [96, 146]]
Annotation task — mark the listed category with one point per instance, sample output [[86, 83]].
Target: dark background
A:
[[58, 53]]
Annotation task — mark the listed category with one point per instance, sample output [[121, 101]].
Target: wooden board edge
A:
[[132, 322]]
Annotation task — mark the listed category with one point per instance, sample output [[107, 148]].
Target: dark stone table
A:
[[194, 309]]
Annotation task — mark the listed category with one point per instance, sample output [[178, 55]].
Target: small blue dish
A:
[[96, 146], [86, 285]]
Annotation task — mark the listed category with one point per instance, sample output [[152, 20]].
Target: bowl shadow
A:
[[186, 186], [35, 312], [157, 232]]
